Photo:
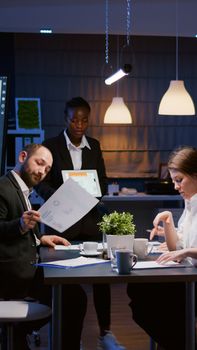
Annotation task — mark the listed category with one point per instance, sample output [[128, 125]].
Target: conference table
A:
[[102, 273]]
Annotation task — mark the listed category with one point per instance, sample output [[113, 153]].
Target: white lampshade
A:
[[176, 100], [117, 112]]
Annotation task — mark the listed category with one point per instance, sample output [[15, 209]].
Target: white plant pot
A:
[[119, 241]]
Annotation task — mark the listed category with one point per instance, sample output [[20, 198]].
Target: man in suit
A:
[[20, 240], [73, 150]]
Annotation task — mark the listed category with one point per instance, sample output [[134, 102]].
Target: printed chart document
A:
[[66, 206], [88, 179]]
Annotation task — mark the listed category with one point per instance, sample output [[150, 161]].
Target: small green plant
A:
[[117, 224]]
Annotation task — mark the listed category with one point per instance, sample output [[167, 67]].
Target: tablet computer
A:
[[88, 179]]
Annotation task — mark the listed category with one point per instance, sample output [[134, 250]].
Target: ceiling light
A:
[[117, 112], [119, 74], [176, 100], [46, 31]]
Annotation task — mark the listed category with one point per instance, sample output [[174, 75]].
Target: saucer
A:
[[90, 254]]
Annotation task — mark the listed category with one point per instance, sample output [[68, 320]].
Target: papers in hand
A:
[[76, 262], [66, 206]]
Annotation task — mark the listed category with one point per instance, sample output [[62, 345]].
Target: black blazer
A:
[[91, 159], [17, 252]]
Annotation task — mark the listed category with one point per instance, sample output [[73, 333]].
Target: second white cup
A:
[[141, 247], [90, 247]]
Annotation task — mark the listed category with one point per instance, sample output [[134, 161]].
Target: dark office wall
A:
[[58, 67], [7, 55]]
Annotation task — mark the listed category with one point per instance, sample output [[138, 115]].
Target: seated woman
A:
[[160, 308]]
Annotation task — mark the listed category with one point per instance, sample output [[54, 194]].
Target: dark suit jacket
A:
[[17, 251], [91, 159]]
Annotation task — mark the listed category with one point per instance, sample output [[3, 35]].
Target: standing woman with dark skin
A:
[[160, 308], [73, 150]]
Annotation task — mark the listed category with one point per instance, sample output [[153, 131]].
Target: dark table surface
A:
[[103, 273]]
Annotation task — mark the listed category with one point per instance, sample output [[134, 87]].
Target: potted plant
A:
[[118, 230]]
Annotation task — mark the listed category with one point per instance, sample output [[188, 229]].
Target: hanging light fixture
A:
[[119, 74], [117, 112], [176, 100]]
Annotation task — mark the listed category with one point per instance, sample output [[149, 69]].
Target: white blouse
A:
[[187, 226]]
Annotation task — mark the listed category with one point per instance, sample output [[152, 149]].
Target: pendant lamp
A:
[[117, 112], [176, 100]]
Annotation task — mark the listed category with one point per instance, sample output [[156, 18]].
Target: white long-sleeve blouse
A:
[[187, 226]]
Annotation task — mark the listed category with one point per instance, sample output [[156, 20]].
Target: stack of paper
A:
[[76, 262]]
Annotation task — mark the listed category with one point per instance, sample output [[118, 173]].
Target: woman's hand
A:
[[166, 218], [52, 240], [175, 255], [157, 231]]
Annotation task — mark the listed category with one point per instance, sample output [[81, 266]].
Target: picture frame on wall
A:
[[28, 114]]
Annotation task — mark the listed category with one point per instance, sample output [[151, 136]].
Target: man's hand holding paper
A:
[[66, 206]]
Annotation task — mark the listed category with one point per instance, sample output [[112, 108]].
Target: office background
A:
[[57, 67]]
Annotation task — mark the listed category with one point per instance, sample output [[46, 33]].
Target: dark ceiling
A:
[[148, 17]]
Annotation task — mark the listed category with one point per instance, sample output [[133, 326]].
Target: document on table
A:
[[67, 247], [66, 206], [76, 262], [156, 265], [75, 247]]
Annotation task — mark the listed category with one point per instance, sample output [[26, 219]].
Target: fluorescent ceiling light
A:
[[46, 31], [119, 74]]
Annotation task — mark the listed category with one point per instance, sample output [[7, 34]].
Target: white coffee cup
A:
[[90, 247], [142, 247]]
